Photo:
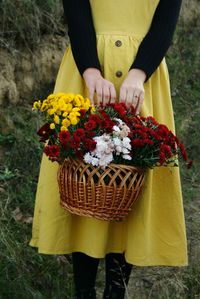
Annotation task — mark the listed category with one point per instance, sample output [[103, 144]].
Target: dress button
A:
[[118, 43], [118, 74]]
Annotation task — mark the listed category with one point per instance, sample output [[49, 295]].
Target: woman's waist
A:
[[124, 37]]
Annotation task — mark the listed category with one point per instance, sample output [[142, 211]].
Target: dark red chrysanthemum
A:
[[74, 144], [90, 125], [64, 136], [90, 144], [137, 142], [44, 132], [79, 133], [52, 150], [94, 117]]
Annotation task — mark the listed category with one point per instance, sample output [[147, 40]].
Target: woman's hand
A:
[[132, 89], [104, 89]]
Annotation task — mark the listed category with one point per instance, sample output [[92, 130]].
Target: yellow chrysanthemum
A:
[[51, 111], [74, 120], [37, 104], [63, 128], [56, 119], [66, 122], [52, 126], [65, 114], [92, 110]]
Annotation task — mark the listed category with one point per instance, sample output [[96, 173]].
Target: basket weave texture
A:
[[108, 194]]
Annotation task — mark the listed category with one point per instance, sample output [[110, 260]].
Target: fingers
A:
[[139, 103], [105, 92], [132, 96]]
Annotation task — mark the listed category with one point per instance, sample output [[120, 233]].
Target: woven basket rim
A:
[[139, 168]]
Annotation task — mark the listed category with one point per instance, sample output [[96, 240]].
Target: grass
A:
[[25, 274], [24, 22]]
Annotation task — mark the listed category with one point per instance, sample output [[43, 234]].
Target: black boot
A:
[[114, 293], [117, 276], [85, 294], [85, 271]]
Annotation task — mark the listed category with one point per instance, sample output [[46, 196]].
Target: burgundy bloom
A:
[[94, 117], [74, 144], [52, 150], [64, 136], [79, 134], [90, 125], [90, 144], [44, 132]]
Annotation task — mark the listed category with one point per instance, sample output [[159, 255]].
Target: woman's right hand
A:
[[104, 89]]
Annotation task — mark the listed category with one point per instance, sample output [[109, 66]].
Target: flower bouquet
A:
[[103, 153]]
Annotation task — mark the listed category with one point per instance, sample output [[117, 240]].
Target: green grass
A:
[[24, 22], [24, 274]]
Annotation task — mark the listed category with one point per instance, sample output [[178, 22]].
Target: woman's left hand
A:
[[132, 89]]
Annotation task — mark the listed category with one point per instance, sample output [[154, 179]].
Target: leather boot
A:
[[85, 294], [114, 293]]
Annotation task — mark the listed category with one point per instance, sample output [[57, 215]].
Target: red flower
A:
[[103, 124], [94, 117], [52, 150], [79, 133], [90, 134], [74, 144], [90, 144], [44, 132], [120, 108], [64, 136], [82, 112], [137, 142], [90, 125], [162, 158]]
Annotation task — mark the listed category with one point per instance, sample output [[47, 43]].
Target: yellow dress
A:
[[154, 231]]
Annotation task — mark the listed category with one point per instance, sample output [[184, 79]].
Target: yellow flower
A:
[[92, 109], [65, 114], [51, 96], [56, 119], [74, 120], [66, 122], [37, 104], [63, 128], [51, 111], [52, 126]]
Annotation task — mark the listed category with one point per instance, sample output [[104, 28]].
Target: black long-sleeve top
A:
[[82, 35]]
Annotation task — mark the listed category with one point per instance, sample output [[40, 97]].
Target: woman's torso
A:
[[131, 17]]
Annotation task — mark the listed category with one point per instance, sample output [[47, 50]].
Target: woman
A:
[[117, 53]]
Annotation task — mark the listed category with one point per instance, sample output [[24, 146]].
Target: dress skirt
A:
[[154, 231]]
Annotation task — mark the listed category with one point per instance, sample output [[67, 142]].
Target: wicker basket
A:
[[103, 194]]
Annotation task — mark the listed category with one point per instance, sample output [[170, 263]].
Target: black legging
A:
[[85, 271]]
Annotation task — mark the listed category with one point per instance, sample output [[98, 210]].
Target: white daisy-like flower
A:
[[116, 128], [126, 142], [127, 157]]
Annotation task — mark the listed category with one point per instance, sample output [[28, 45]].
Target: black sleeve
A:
[[81, 33], [159, 37]]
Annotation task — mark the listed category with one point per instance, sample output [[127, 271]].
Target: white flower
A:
[[95, 161], [126, 142], [117, 141], [119, 120], [125, 151], [127, 157], [87, 158], [116, 128], [119, 148]]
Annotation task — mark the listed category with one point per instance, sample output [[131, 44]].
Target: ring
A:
[[136, 97]]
